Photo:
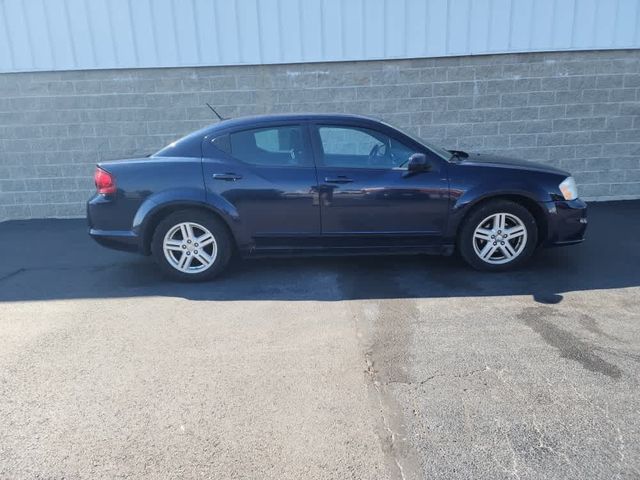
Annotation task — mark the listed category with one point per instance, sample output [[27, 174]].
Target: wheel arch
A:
[[155, 216], [529, 203]]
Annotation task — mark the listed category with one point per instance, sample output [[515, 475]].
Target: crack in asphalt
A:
[[440, 375]]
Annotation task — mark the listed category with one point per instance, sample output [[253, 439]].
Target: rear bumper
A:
[[118, 240], [105, 227], [566, 222]]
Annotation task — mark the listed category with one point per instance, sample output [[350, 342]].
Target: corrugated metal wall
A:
[[98, 34]]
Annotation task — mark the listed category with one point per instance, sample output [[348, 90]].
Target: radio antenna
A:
[[214, 111]]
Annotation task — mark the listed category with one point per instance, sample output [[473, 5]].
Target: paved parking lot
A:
[[373, 367]]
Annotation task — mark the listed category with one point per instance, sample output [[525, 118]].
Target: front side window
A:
[[354, 147], [270, 146]]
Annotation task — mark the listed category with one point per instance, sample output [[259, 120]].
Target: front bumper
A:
[[566, 222]]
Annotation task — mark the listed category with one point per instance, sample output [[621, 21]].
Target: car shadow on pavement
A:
[[55, 259]]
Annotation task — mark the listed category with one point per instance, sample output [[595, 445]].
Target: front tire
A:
[[191, 245], [498, 235]]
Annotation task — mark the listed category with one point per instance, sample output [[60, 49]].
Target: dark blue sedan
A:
[[327, 184]]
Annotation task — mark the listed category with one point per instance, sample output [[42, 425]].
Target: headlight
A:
[[569, 189]]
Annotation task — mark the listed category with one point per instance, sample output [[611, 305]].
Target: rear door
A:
[[268, 175], [365, 193]]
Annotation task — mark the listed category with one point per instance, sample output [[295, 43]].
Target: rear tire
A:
[[498, 235], [191, 245]]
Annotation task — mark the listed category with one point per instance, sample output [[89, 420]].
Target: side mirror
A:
[[418, 163]]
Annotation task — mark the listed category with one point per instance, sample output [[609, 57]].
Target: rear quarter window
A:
[[187, 146], [222, 143]]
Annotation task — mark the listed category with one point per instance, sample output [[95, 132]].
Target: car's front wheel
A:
[[498, 235], [191, 245]]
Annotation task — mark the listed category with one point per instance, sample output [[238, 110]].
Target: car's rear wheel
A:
[[191, 245], [498, 235]]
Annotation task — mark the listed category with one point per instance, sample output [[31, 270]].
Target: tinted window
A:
[[353, 147], [188, 146], [222, 143], [271, 146]]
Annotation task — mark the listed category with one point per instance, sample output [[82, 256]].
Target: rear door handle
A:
[[229, 177], [338, 179]]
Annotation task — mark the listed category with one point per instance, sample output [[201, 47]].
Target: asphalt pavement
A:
[[364, 367]]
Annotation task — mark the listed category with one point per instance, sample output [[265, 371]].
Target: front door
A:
[[267, 174], [366, 195]]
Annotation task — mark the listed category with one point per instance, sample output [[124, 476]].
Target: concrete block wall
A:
[[576, 110]]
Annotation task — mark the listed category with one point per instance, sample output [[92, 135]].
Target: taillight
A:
[[105, 183]]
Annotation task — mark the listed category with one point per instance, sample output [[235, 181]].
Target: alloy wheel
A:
[[189, 247], [499, 238]]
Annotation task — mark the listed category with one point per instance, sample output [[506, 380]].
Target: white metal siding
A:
[[91, 34]]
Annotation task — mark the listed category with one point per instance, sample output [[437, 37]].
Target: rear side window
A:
[[270, 146]]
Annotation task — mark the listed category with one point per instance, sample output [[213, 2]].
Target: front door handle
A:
[[338, 179], [229, 177]]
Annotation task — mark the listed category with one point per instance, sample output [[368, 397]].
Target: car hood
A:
[[506, 162]]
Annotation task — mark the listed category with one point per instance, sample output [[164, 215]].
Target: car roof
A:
[[282, 117]]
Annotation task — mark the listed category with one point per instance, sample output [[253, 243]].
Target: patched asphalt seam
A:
[[377, 323]]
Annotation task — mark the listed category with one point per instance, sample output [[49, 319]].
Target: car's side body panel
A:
[[276, 205], [475, 182], [471, 184], [140, 181], [143, 186], [381, 206]]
